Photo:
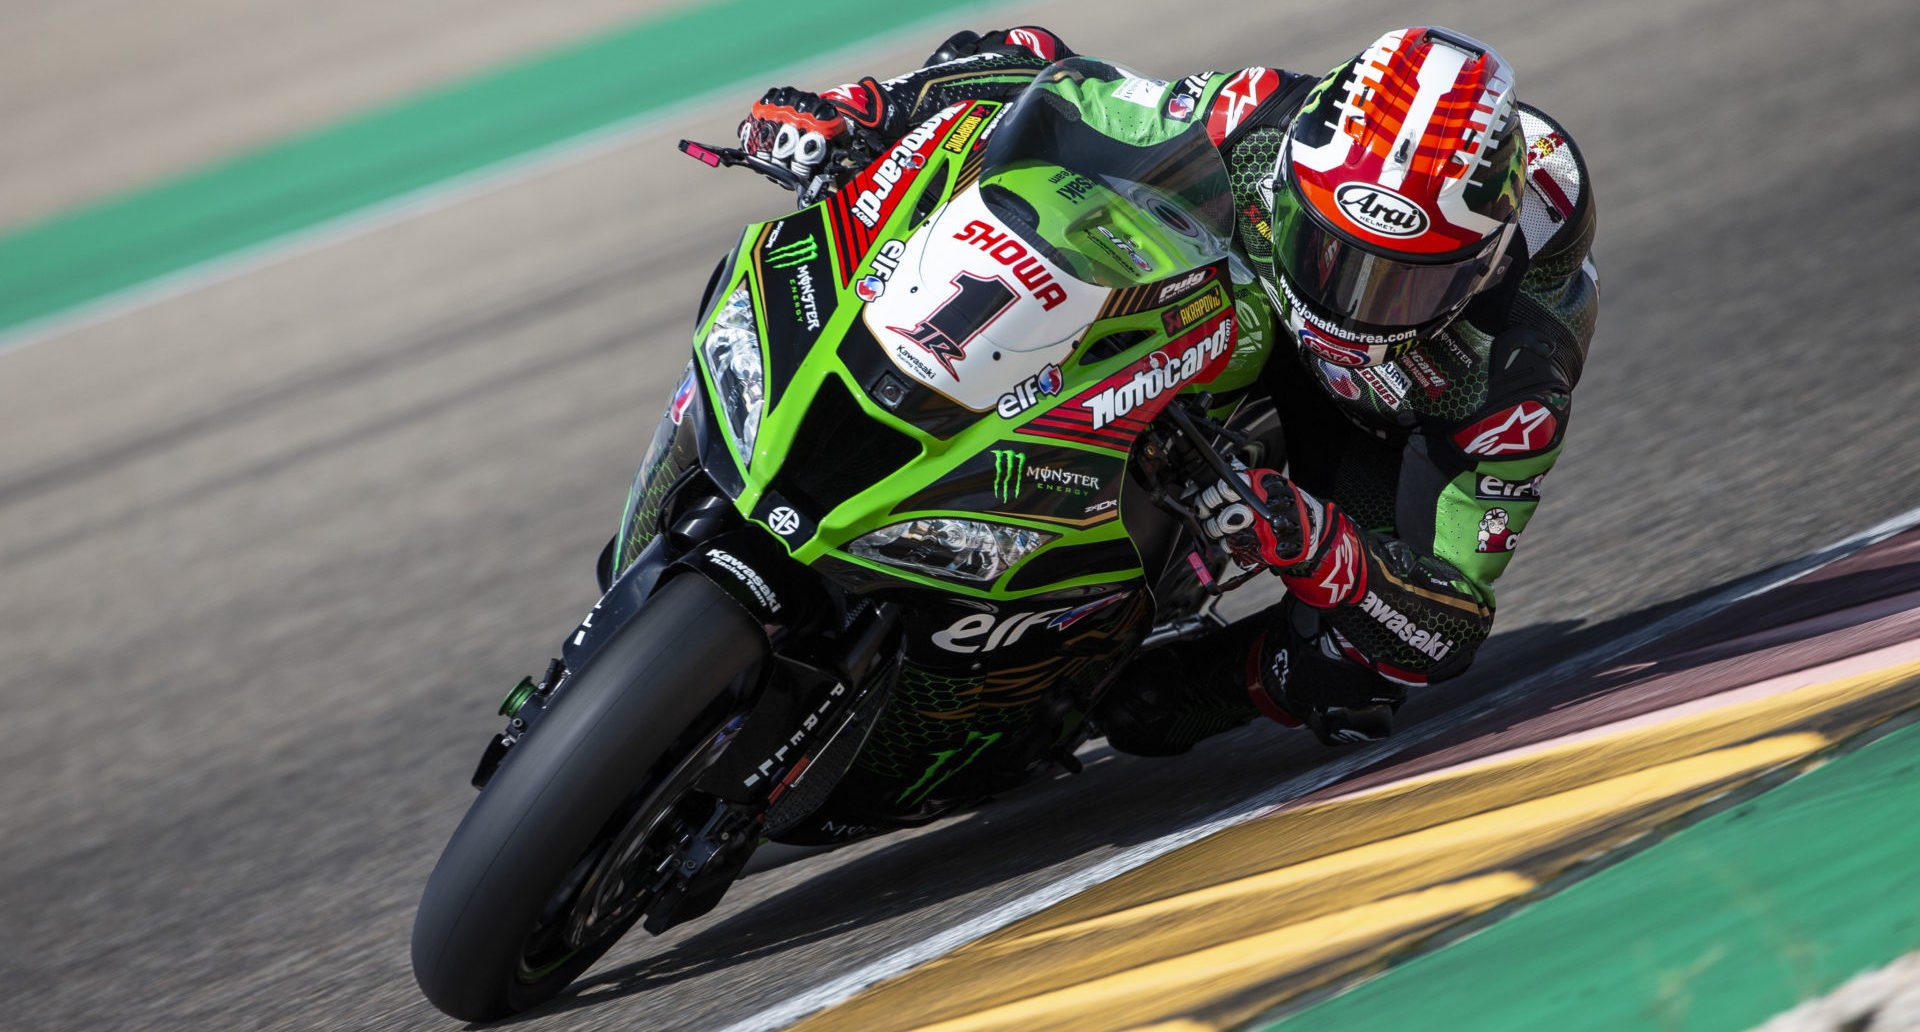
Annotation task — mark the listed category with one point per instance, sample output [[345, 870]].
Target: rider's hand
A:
[[1252, 541], [793, 128], [1313, 546]]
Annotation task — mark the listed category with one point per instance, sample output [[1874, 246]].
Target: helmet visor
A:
[[1345, 282]]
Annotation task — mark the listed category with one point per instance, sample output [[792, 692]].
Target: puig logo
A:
[[1182, 285]]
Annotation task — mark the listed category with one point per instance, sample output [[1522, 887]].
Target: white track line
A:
[[946, 941], [573, 150]]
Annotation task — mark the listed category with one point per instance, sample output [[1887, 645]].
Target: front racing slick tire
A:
[[605, 757]]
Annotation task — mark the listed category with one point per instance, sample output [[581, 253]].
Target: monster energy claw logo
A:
[[1008, 466], [786, 256]]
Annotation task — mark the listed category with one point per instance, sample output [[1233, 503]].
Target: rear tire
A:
[[555, 794]]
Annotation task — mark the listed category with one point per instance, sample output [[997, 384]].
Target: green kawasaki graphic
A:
[[816, 415], [975, 744]]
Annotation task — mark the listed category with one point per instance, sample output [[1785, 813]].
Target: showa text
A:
[[1013, 254]]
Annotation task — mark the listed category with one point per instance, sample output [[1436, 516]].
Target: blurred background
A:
[[333, 334]]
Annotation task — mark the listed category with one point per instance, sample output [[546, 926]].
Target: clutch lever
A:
[[1183, 421], [806, 190]]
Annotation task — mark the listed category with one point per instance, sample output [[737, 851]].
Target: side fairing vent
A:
[[839, 452]]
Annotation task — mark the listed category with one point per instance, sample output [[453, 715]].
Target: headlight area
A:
[[968, 549], [732, 353]]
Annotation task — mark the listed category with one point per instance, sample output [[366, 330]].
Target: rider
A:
[[1421, 239]]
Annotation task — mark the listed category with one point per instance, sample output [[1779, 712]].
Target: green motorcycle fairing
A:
[[954, 354]]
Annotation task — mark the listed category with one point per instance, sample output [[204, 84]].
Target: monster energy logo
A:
[[1008, 466], [786, 256], [944, 767]]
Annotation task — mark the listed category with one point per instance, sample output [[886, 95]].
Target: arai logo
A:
[[1380, 210]]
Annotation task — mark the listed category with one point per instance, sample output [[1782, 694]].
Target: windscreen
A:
[[1088, 168]]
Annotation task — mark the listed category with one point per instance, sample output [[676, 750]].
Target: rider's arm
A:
[[968, 66], [1468, 486]]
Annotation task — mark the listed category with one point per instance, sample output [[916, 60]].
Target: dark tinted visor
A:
[[1350, 285]]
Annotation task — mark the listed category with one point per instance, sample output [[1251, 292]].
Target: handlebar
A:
[[806, 190]]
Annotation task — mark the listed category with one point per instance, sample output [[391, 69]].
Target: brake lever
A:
[[806, 190], [1183, 421]]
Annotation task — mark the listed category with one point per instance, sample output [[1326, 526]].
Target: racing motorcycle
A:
[[922, 490]]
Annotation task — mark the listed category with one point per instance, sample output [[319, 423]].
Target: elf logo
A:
[[1380, 210], [1492, 487], [1026, 394], [990, 630]]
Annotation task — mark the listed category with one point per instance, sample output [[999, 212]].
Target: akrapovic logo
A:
[[1380, 210], [1008, 466], [1400, 627], [786, 256]]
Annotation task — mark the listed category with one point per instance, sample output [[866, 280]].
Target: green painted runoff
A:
[[1716, 929], [281, 188]]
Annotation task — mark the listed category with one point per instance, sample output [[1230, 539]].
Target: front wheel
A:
[[528, 892]]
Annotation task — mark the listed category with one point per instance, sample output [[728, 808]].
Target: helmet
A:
[[1396, 195]]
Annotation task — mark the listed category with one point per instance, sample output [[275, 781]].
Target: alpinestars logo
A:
[[1238, 99], [1008, 465], [1526, 427], [786, 256], [1399, 626]]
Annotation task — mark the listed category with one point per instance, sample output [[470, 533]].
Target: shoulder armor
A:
[[1250, 97], [1556, 208]]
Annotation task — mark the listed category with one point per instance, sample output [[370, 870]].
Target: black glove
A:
[[794, 128], [1305, 675]]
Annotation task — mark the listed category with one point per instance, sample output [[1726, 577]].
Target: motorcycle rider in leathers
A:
[[1421, 239]]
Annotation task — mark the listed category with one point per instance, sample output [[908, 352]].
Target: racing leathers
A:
[[1418, 475]]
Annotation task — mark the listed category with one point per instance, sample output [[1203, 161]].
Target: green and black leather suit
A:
[[1437, 456]]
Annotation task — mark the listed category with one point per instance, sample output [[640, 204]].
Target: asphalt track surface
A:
[[271, 550]]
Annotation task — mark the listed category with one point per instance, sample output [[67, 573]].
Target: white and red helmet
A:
[[1396, 194]]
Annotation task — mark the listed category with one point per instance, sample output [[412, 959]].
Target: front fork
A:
[[797, 723]]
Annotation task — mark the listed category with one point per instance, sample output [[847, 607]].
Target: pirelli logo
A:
[[1195, 311]]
